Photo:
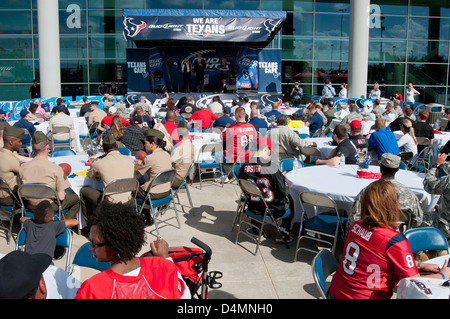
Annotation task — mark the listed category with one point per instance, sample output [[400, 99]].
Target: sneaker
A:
[[280, 239], [252, 232]]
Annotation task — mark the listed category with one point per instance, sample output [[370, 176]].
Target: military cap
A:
[[390, 160], [13, 131], [39, 137], [154, 132], [109, 140]]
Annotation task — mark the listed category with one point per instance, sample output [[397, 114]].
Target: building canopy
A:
[[152, 27]]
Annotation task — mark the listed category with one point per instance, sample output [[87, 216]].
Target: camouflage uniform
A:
[[408, 201], [433, 184]]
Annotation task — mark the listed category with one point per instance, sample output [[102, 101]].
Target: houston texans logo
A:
[[132, 29]]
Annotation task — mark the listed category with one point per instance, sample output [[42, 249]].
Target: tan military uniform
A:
[[158, 161], [97, 116], [42, 171], [62, 119], [111, 167], [9, 169], [182, 156]]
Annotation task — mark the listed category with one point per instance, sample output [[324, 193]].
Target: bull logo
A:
[[132, 29]]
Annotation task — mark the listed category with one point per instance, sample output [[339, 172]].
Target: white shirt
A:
[[375, 94], [406, 144], [410, 95], [343, 93]]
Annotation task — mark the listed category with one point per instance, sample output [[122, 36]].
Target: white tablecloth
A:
[[323, 144], [367, 124], [283, 110], [424, 288], [342, 185]]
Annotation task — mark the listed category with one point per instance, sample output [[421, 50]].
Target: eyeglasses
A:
[[94, 245]]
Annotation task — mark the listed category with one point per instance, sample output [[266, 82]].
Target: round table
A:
[[323, 144], [366, 125], [342, 185]]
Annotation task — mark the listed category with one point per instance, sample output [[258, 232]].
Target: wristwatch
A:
[[436, 165]]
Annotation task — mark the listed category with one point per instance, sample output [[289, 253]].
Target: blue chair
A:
[[124, 151], [402, 165], [60, 143], [84, 258], [426, 238], [212, 165], [247, 217], [326, 222], [62, 240], [157, 207], [303, 135], [236, 169], [324, 264], [62, 152], [287, 164], [7, 213]]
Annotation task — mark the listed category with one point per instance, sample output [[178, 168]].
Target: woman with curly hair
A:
[[376, 256], [117, 236]]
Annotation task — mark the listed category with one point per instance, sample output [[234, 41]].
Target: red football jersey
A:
[[237, 136], [372, 264]]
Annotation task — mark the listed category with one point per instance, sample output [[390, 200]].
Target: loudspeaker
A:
[[288, 73], [230, 89], [160, 88]]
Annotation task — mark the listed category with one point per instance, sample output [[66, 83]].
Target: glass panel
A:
[[73, 47], [174, 4], [389, 27], [336, 72], [105, 21], [427, 74], [272, 5], [16, 4], [64, 4], [387, 50], [15, 22], [429, 28], [386, 73], [296, 48], [432, 95], [428, 51], [107, 46], [293, 5], [74, 71], [332, 25], [15, 47], [72, 22], [13, 71], [116, 4], [16, 92], [332, 6], [297, 71], [231, 4], [298, 23], [430, 8], [74, 89], [330, 49], [104, 70], [397, 7]]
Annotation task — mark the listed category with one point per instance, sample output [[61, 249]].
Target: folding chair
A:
[[184, 185], [324, 264], [92, 137], [422, 161], [8, 212], [287, 164], [25, 148], [426, 238], [62, 152], [38, 191], [251, 191], [326, 222], [60, 130], [121, 186], [158, 207], [62, 240], [406, 157], [84, 258], [303, 135], [212, 164], [310, 151], [318, 132]]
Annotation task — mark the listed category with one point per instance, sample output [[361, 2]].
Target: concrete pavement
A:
[[271, 274]]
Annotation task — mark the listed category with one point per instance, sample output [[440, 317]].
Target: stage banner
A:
[[242, 26], [246, 68], [138, 72], [269, 70]]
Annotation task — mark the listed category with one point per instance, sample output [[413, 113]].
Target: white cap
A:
[[112, 110]]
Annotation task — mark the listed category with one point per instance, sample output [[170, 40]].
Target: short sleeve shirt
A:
[[349, 150], [41, 238], [158, 161]]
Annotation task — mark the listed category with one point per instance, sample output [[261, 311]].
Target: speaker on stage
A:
[[230, 89], [160, 88]]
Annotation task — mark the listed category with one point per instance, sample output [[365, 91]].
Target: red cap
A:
[[265, 142], [355, 125]]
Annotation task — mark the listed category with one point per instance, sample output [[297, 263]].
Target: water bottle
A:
[[295, 164], [342, 161]]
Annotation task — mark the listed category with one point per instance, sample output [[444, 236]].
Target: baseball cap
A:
[[227, 110], [390, 160], [355, 125], [24, 112], [264, 141], [137, 119], [112, 110], [60, 100], [21, 272]]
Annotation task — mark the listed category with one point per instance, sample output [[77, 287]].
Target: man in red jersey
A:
[[203, 117], [237, 136], [170, 125]]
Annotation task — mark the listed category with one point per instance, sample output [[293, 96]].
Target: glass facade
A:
[[409, 41]]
